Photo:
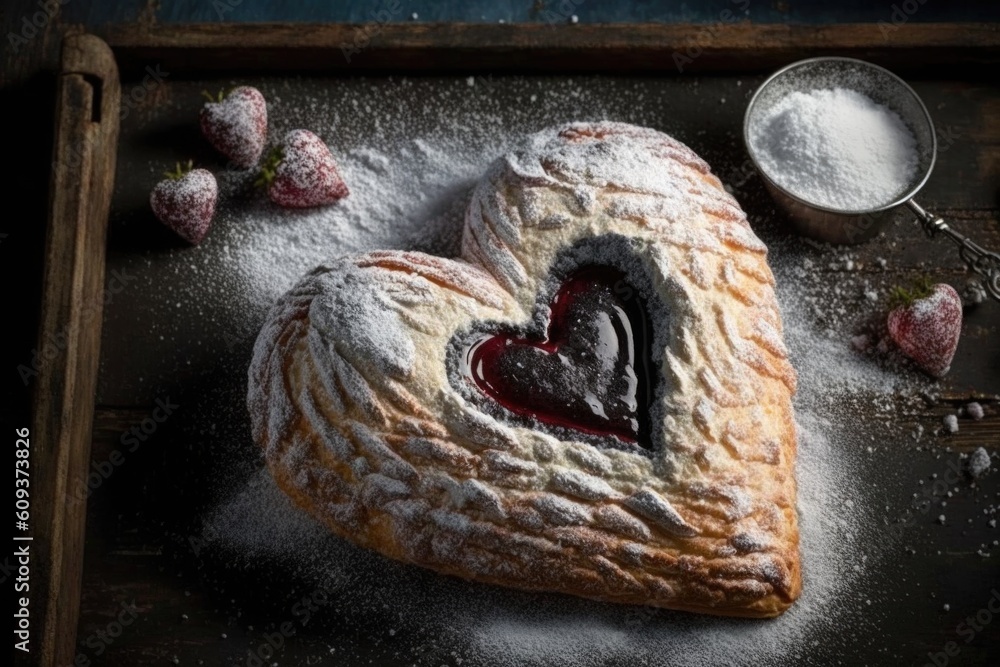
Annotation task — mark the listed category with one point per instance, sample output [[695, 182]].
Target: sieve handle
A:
[[981, 261]]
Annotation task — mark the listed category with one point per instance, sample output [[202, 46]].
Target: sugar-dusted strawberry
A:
[[185, 201], [926, 324], [301, 172], [236, 124]]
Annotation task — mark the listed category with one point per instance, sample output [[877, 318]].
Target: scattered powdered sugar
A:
[[817, 317], [950, 423], [409, 190], [979, 462], [836, 148], [401, 197]]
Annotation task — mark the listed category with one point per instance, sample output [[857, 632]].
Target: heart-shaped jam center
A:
[[592, 372]]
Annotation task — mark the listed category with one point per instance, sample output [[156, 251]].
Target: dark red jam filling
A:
[[592, 372]]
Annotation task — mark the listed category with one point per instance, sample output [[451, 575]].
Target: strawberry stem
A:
[[901, 297], [269, 167], [179, 170], [214, 100]]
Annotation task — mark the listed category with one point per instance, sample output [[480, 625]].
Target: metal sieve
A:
[[849, 227]]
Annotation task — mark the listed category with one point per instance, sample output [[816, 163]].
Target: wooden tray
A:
[[961, 57]]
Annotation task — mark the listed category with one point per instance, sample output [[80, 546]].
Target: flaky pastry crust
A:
[[366, 423]]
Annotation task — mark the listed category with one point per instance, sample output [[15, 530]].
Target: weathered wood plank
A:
[[70, 334], [622, 48]]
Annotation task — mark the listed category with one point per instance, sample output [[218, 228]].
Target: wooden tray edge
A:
[[83, 167], [541, 47]]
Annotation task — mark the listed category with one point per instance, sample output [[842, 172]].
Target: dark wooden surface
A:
[[206, 605], [141, 521]]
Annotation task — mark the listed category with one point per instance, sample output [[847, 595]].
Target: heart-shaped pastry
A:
[[593, 399]]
